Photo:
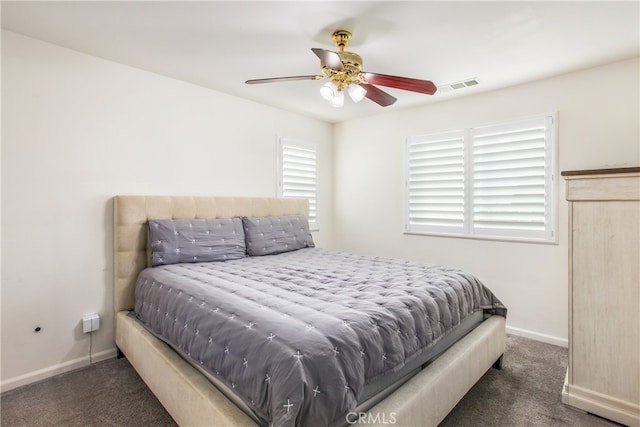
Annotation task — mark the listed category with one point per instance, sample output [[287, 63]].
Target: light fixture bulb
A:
[[338, 100], [356, 92], [329, 90]]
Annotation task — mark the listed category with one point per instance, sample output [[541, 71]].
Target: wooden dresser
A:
[[603, 376]]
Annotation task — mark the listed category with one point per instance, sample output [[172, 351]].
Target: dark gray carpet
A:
[[108, 393], [526, 392]]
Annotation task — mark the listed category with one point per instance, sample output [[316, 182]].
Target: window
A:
[[493, 181], [297, 168]]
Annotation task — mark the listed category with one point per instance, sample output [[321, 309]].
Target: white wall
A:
[[598, 127], [77, 130]]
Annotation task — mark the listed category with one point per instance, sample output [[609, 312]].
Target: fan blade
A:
[[283, 79], [404, 83], [328, 59], [378, 96]]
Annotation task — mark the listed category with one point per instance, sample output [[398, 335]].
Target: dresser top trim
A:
[[601, 171]]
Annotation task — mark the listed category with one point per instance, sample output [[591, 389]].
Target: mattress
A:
[[305, 337]]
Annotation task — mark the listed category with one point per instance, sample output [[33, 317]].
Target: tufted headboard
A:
[[131, 213]]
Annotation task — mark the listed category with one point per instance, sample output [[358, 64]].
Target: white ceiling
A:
[[219, 45]]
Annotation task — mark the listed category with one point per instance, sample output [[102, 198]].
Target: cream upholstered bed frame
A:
[[186, 393]]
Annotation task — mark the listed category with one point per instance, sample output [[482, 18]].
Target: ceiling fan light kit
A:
[[338, 100], [344, 71], [356, 92], [329, 90], [335, 95]]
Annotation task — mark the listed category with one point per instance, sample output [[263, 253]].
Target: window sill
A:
[[486, 238]]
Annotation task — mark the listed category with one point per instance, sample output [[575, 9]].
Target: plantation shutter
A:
[[435, 183], [298, 166], [494, 182], [511, 179]]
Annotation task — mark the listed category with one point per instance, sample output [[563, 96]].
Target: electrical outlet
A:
[[90, 322]]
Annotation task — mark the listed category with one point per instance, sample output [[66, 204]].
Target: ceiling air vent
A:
[[458, 85]]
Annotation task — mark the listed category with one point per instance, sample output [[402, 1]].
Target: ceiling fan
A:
[[344, 71]]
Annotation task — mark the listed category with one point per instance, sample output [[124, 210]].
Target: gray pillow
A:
[[195, 240], [275, 234]]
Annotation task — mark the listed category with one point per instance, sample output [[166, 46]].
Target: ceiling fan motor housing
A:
[[352, 62], [351, 73]]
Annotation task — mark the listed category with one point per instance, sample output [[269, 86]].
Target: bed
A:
[[194, 397]]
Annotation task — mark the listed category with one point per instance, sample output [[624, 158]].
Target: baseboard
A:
[[549, 339], [608, 407], [60, 368]]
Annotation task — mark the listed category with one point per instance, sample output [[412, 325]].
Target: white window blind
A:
[[510, 188], [435, 182], [493, 181], [298, 174]]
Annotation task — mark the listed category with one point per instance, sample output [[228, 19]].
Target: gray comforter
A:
[[298, 335]]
